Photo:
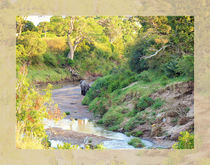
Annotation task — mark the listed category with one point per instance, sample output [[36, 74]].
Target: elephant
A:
[[84, 87]]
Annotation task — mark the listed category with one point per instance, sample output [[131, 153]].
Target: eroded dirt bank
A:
[[175, 116]]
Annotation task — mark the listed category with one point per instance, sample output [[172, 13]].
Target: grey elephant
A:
[[84, 87]]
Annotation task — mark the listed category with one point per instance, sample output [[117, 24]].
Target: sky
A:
[[37, 19]]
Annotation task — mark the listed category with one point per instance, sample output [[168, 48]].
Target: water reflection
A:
[[117, 140]]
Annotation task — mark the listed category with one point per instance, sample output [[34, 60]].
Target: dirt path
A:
[[69, 99]]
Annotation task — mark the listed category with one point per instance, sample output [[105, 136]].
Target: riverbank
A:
[[150, 107], [80, 123]]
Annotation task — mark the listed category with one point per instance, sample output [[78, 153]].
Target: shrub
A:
[[50, 59], [134, 122], [67, 113], [56, 44], [136, 142], [67, 146], [98, 106], [157, 104], [46, 142], [31, 108], [170, 68], [186, 66], [112, 118], [185, 141], [164, 80], [145, 76], [32, 43], [114, 128], [137, 133], [96, 90], [144, 102], [100, 121]]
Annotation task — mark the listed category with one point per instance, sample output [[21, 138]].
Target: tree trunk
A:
[[20, 30], [71, 53]]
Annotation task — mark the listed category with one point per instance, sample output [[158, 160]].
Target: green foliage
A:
[[100, 147], [114, 128], [185, 141], [31, 111], [112, 118], [31, 108], [67, 113], [133, 122], [32, 43], [136, 142], [170, 68], [186, 66], [56, 44], [164, 80], [47, 74], [50, 59], [182, 34], [144, 102], [96, 89], [145, 76], [108, 84], [98, 106], [46, 142], [67, 146], [157, 104], [136, 133]]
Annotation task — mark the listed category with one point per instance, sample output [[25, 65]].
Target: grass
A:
[[44, 73], [67, 113], [136, 142], [110, 100]]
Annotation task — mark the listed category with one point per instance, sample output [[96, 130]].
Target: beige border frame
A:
[[9, 155]]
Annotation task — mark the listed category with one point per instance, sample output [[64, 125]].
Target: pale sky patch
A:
[[37, 19]]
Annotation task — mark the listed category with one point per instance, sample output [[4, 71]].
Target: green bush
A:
[[157, 104], [46, 142], [98, 106], [67, 113], [137, 133], [134, 122], [97, 89], [170, 69], [139, 49], [32, 43], [112, 118], [67, 146], [124, 83], [114, 128], [144, 102], [186, 66], [136, 142], [50, 59], [164, 80], [185, 141], [145, 76]]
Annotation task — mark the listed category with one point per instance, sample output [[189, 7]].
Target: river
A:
[[80, 124]]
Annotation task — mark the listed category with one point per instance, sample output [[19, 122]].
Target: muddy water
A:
[[81, 122]]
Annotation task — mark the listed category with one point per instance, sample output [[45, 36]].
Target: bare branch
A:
[[146, 57], [71, 25], [77, 41]]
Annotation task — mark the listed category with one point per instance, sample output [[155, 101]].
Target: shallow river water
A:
[[80, 120]]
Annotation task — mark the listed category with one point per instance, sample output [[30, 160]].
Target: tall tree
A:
[[43, 27], [20, 22], [79, 29]]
